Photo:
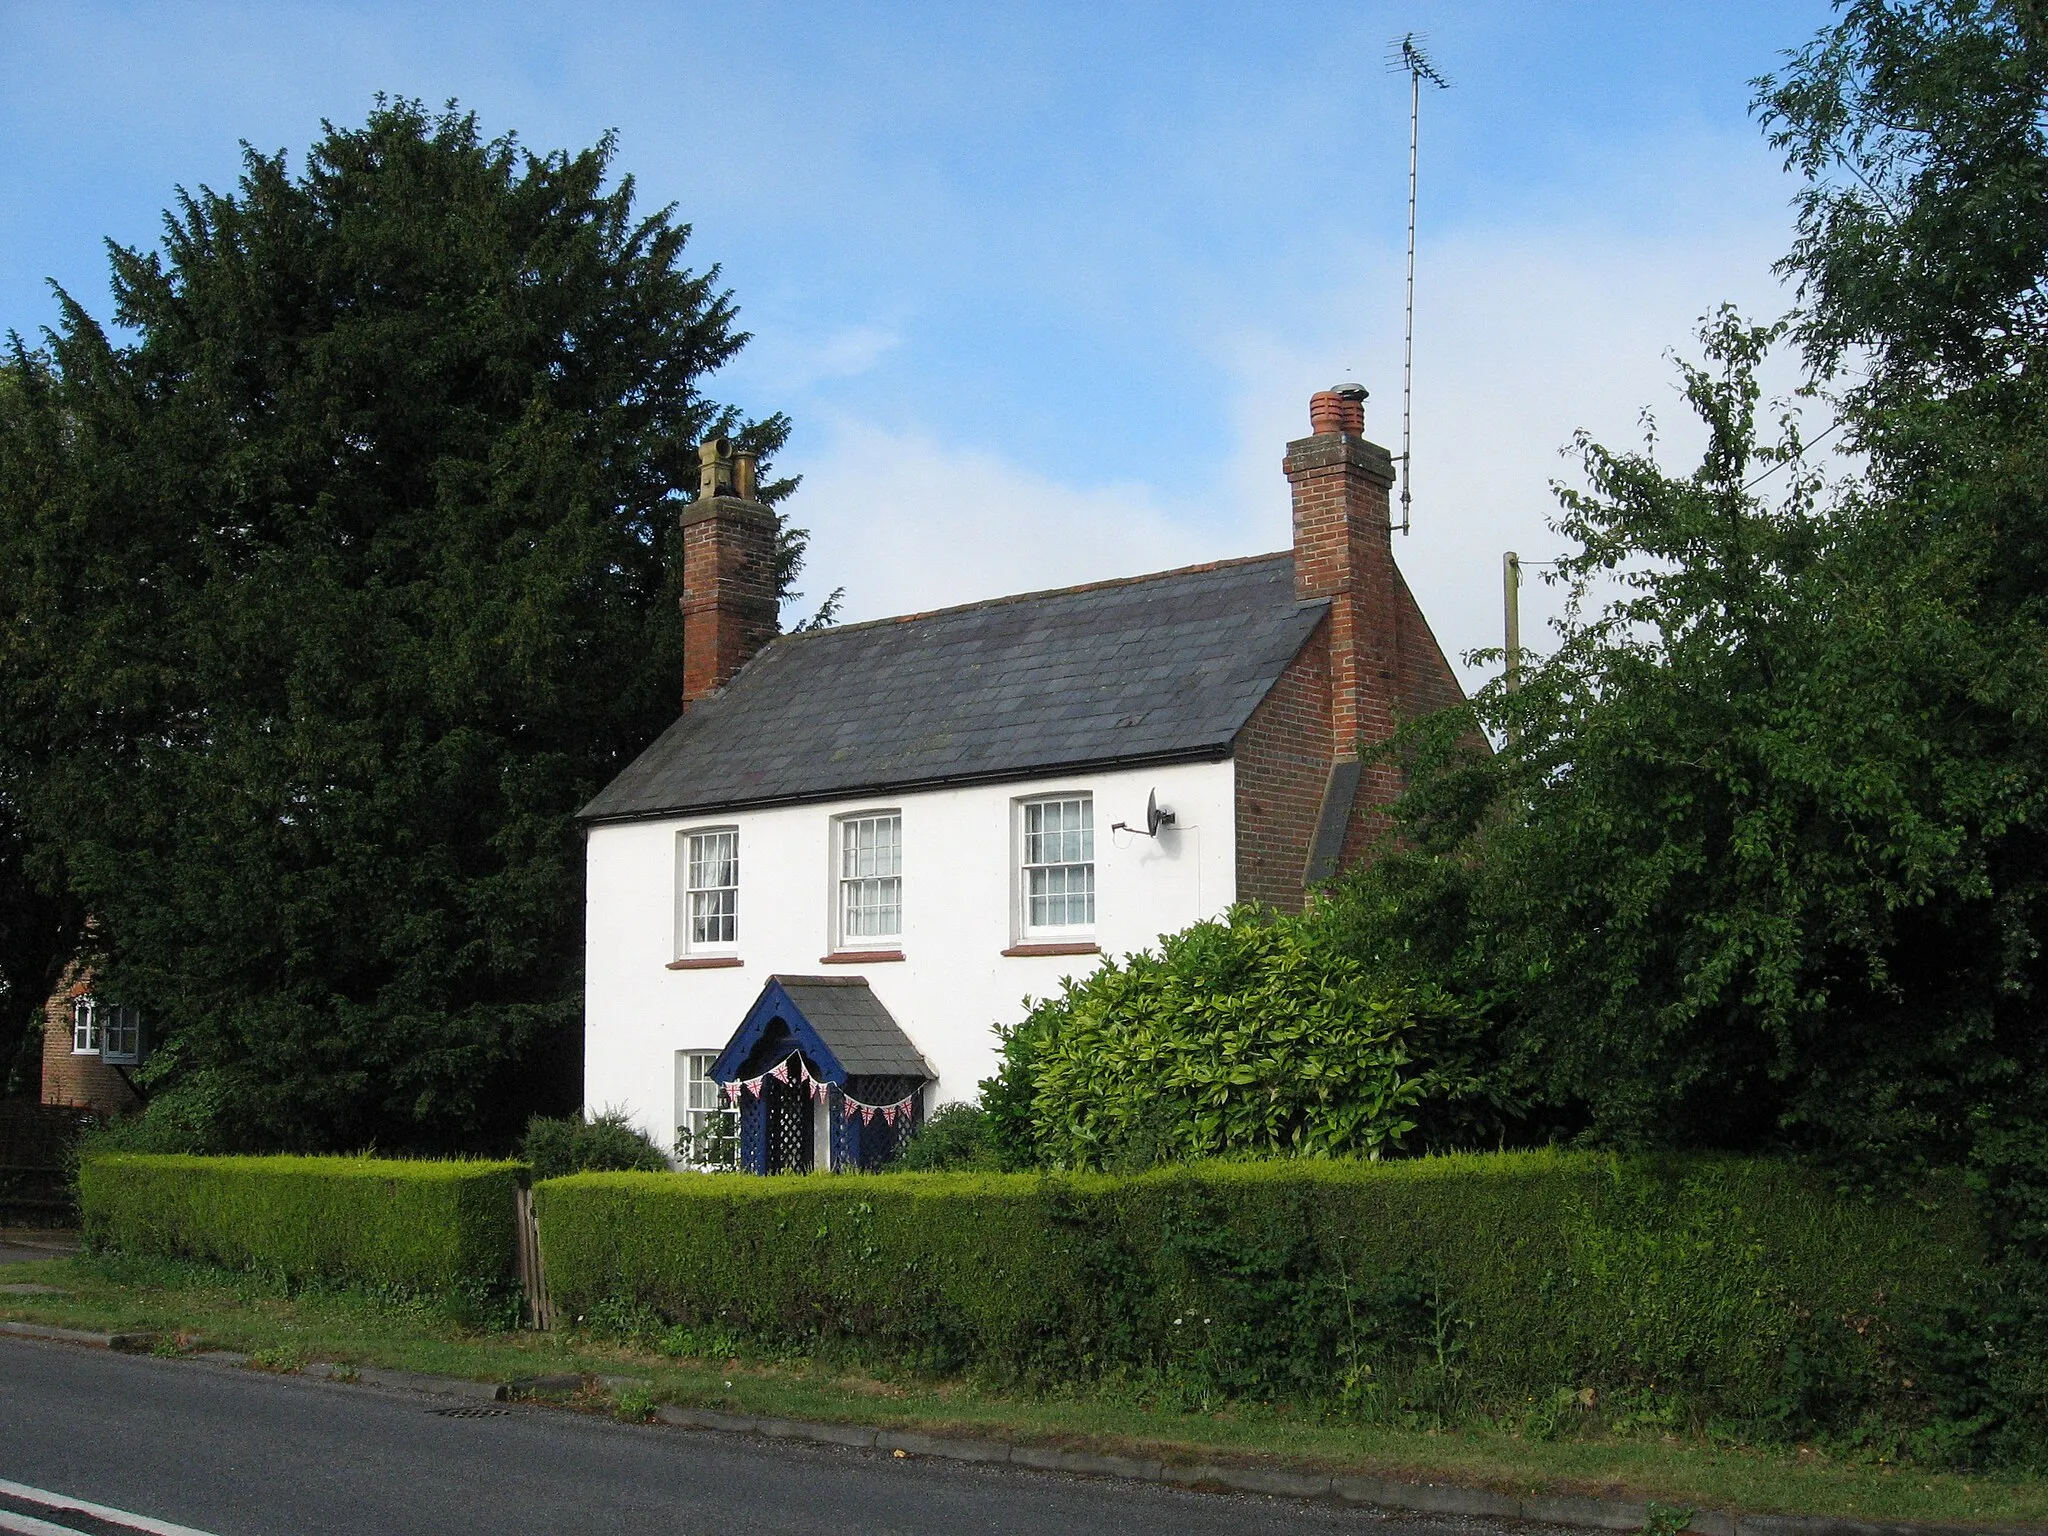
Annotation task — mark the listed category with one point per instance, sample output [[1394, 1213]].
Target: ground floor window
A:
[[110, 1031], [120, 1034], [707, 1131]]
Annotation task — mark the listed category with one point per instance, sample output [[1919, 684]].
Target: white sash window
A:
[[1058, 892]]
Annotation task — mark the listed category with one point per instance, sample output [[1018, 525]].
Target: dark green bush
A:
[[606, 1144], [1743, 1290], [1252, 1035], [430, 1227], [955, 1140]]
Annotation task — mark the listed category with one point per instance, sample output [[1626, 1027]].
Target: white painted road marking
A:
[[29, 1526], [57, 1503]]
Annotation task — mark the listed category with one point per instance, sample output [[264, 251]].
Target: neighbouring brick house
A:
[[90, 1049], [859, 847]]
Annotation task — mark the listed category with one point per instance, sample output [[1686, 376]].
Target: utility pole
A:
[[1405, 56], [1511, 611]]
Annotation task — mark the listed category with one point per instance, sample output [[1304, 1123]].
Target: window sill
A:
[[861, 957], [705, 963], [1079, 947]]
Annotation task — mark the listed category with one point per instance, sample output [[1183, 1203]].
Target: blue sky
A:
[[1044, 287]]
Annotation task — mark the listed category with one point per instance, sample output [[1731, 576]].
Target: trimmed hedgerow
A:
[[1738, 1288], [435, 1227]]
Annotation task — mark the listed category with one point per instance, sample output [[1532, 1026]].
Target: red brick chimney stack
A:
[[729, 606], [1343, 550]]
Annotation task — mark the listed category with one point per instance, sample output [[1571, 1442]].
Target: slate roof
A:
[[851, 1020], [1154, 669]]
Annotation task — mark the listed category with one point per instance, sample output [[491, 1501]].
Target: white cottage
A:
[[859, 848]]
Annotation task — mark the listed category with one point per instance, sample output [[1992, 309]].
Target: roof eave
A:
[[1210, 752]]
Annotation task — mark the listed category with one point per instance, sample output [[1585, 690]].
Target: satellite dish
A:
[[1155, 818]]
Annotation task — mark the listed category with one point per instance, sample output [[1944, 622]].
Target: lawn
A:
[[196, 1307]]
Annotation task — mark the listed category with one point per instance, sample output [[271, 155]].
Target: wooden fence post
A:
[[533, 1275]]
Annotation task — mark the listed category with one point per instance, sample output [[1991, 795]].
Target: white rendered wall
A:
[[959, 913]]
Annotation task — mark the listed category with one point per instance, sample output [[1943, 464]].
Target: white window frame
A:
[[120, 1032], [687, 942], [85, 1027], [1026, 863], [698, 1101], [844, 883]]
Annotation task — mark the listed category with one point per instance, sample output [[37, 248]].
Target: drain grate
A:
[[470, 1413]]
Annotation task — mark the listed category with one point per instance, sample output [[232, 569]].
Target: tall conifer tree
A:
[[354, 573]]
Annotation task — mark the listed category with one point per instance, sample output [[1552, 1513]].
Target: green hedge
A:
[[437, 1227], [1745, 1288]]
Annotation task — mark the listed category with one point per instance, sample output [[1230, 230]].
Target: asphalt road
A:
[[230, 1452]]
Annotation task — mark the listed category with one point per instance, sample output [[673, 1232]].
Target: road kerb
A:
[[127, 1343], [1578, 1511]]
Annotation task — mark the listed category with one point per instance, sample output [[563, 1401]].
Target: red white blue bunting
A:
[[792, 1069]]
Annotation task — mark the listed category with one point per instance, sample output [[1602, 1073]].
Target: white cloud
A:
[[1523, 338], [907, 523], [783, 361]]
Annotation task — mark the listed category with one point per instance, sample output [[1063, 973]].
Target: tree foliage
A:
[[1762, 857], [351, 571]]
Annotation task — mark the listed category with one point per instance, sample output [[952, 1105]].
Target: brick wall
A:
[[1282, 758], [82, 1082]]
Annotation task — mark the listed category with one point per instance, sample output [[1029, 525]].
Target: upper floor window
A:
[[711, 889], [85, 1027], [870, 877], [1058, 893]]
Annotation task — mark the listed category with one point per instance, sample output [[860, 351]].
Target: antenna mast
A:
[[1405, 56]]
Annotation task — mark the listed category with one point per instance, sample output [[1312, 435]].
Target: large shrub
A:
[[1441, 1286], [957, 1139], [432, 1227], [606, 1143], [1247, 1035]]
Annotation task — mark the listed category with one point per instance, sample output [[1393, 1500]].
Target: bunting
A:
[[793, 1068]]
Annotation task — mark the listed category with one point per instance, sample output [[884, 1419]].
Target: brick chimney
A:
[[1343, 551], [729, 606]]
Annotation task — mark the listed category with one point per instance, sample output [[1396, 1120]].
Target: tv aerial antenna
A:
[[1406, 57]]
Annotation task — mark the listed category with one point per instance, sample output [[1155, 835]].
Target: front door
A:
[[789, 1135]]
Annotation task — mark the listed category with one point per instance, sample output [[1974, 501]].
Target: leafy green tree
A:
[[355, 573], [1762, 858], [1735, 877]]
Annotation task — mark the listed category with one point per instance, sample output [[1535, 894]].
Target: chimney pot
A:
[[714, 466], [744, 465], [1339, 410]]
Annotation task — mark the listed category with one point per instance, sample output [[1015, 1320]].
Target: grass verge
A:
[[199, 1307]]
